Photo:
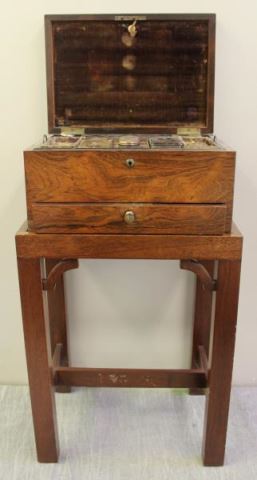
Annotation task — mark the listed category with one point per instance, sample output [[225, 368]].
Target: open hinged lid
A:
[[130, 72]]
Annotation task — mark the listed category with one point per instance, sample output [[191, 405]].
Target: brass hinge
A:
[[126, 18], [189, 131]]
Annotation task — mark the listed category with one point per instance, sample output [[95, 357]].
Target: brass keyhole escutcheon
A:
[[130, 162], [129, 217]]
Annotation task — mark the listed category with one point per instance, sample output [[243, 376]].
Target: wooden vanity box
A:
[[130, 169], [130, 115]]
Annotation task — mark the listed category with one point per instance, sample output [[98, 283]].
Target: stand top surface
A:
[[162, 247]]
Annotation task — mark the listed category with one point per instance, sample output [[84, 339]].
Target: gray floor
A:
[[120, 434]]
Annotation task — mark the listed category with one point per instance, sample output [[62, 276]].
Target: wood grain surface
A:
[[157, 177], [99, 176], [205, 247], [110, 218]]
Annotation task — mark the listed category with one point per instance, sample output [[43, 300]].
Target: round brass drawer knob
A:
[[129, 217], [130, 162]]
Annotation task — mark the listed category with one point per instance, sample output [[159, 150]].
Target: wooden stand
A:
[[42, 261]]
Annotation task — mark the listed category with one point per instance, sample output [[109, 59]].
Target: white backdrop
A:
[[126, 313]]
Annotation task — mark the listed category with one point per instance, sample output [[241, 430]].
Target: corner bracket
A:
[[208, 283], [62, 266]]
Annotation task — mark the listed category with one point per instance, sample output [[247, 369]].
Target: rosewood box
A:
[[130, 146]]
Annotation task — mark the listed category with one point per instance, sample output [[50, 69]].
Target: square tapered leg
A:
[[38, 353], [57, 319], [202, 320], [219, 383]]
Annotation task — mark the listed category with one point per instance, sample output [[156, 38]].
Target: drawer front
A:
[[165, 177], [127, 218]]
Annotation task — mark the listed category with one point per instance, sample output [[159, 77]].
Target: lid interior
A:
[[145, 74]]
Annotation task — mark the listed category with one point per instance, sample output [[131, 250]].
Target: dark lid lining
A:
[[101, 77]]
